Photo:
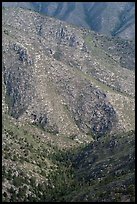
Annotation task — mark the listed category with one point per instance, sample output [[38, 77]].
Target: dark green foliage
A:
[[99, 171], [14, 158], [17, 181], [33, 181]]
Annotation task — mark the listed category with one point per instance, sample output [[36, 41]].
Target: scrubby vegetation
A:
[[68, 112], [36, 171]]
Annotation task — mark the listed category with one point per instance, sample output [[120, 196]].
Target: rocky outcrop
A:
[[61, 79], [17, 80]]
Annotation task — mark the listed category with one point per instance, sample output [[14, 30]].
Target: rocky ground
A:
[[110, 18], [64, 87]]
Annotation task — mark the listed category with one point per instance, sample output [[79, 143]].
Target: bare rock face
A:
[[17, 79], [61, 79]]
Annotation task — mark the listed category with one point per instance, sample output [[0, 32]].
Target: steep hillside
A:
[[111, 18], [66, 93], [108, 168], [63, 79], [36, 166]]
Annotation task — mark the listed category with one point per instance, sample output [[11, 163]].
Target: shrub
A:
[[17, 181]]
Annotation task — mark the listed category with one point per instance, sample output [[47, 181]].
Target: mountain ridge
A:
[[111, 18]]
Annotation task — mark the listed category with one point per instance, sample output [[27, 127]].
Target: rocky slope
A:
[[111, 18], [66, 79], [63, 86], [36, 166], [108, 167]]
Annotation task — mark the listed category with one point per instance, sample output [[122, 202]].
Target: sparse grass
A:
[[99, 84], [100, 54]]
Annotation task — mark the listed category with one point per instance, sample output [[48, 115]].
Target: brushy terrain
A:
[[67, 112], [35, 169]]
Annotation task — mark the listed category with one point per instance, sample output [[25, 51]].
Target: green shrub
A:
[[17, 181]]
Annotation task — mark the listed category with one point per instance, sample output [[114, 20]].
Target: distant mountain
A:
[[110, 18], [68, 111]]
